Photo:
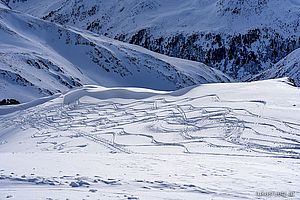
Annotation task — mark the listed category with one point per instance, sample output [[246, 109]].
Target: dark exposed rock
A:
[[9, 102]]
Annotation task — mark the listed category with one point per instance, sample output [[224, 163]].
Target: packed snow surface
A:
[[214, 141]]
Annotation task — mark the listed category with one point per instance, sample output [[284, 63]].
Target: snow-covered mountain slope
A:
[[184, 16], [214, 141], [3, 5], [39, 58], [287, 67], [240, 37]]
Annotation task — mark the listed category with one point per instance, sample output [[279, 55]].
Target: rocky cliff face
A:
[[240, 37]]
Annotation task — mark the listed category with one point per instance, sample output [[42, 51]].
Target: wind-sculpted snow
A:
[[211, 141]]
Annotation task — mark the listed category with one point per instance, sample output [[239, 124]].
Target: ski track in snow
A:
[[160, 147], [108, 124]]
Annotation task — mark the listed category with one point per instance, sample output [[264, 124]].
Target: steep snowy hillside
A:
[[3, 5], [287, 67], [39, 58], [239, 37], [216, 141]]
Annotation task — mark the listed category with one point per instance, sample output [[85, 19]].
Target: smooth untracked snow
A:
[[215, 141]]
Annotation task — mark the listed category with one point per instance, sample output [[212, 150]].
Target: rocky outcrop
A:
[[9, 102]]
